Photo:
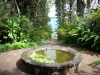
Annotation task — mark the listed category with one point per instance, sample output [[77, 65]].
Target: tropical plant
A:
[[80, 35], [95, 63], [94, 22]]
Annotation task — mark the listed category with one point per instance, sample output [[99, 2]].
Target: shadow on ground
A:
[[24, 68], [15, 71], [20, 70]]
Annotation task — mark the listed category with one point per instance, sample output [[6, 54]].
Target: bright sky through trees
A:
[[53, 19]]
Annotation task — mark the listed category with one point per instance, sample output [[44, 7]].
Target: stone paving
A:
[[9, 59]]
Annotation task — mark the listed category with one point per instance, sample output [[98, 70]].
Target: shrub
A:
[[63, 31], [93, 22], [80, 35], [4, 27], [18, 45], [40, 33]]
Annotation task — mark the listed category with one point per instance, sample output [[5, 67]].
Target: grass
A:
[[18, 45]]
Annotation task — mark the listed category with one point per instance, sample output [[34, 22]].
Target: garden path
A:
[[9, 59]]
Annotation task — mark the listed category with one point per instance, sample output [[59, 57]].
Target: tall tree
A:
[[60, 8], [80, 7], [70, 4], [37, 11], [88, 3]]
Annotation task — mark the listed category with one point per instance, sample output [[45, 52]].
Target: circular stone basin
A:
[[50, 59]]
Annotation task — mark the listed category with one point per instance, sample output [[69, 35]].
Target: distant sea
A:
[[53, 23]]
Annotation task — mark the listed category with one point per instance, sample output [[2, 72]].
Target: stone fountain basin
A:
[[77, 58]]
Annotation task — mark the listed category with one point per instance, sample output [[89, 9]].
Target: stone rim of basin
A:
[[77, 58]]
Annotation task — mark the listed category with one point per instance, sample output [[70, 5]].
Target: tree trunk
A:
[[88, 3], [70, 9], [71, 3], [80, 7], [98, 1]]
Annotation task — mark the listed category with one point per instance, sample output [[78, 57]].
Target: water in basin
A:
[[55, 56]]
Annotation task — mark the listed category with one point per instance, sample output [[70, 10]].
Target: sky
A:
[[52, 12], [53, 19]]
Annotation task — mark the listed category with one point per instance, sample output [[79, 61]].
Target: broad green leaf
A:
[[95, 63], [96, 38], [90, 37]]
